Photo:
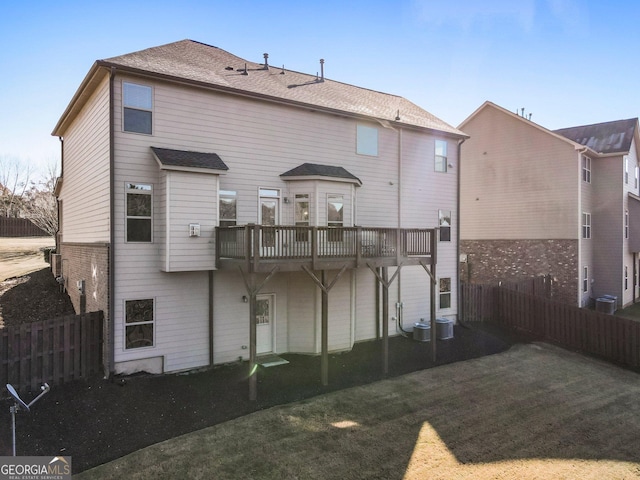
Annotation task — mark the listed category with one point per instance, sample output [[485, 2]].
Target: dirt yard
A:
[[22, 255], [28, 291]]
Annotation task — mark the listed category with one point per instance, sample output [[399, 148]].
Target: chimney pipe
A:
[[266, 61], [322, 69]]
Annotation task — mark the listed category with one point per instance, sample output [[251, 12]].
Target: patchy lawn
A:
[[535, 412], [96, 421], [632, 312]]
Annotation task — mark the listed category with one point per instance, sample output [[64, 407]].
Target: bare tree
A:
[[15, 180], [41, 206]]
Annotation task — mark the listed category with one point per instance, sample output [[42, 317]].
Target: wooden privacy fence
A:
[[614, 338], [52, 351], [19, 227]]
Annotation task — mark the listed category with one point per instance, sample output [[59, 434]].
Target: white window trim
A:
[[626, 277], [150, 110], [301, 198], [365, 140], [448, 292], [626, 224], [626, 170], [585, 279], [441, 215], [126, 216], [125, 324], [586, 169], [586, 225], [444, 158], [227, 194]]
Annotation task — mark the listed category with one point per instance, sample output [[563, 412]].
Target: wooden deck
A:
[[260, 248]]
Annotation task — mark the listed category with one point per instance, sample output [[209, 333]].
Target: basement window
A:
[[139, 320], [137, 108], [445, 292]]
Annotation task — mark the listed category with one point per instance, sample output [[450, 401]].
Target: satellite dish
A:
[[15, 395]]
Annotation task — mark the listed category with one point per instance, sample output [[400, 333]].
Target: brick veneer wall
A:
[[88, 262], [492, 261]]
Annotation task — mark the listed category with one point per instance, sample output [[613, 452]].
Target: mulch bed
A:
[[31, 298], [97, 420]]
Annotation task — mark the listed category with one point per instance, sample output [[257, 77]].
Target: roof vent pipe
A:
[[266, 61], [322, 69]]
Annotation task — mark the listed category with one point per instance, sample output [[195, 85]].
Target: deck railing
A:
[[260, 242]]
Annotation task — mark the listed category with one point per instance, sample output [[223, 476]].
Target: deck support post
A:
[[324, 369], [383, 279], [325, 288], [385, 321]]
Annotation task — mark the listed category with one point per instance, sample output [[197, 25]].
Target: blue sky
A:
[[567, 62]]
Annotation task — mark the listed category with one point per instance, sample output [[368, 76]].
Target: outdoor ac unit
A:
[[444, 328]]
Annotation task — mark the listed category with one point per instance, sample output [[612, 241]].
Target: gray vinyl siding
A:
[[85, 189], [303, 307], [365, 327], [190, 198], [258, 141]]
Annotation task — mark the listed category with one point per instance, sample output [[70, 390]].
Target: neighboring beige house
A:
[[564, 203], [218, 209]]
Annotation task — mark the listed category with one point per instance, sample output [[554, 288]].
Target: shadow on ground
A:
[[98, 420]]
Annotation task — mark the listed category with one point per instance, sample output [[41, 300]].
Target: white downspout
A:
[[580, 259]]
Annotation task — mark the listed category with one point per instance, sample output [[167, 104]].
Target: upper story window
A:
[[626, 224], [137, 108], [367, 140], [626, 169], [302, 216], [444, 221], [335, 216], [586, 169], [626, 277], [441, 156], [228, 213], [139, 212], [586, 225]]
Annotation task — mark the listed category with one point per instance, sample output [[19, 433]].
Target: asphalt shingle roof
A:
[[314, 169], [184, 158], [212, 66], [607, 137]]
